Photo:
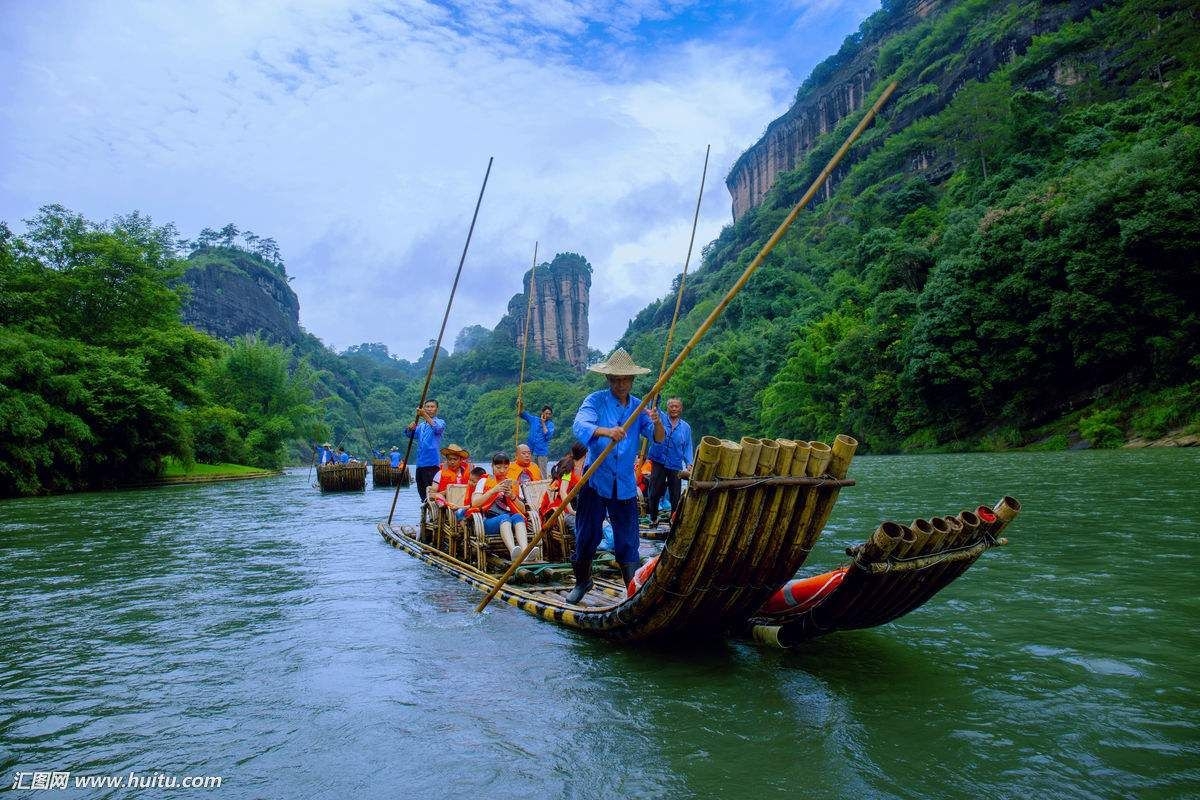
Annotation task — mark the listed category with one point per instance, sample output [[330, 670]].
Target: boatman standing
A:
[[611, 490], [394, 457], [326, 454], [541, 431], [668, 458], [428, 437]]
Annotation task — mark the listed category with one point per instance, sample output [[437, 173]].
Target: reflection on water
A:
[[263, 632]]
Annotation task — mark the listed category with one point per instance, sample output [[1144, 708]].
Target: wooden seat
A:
[[444, 530]]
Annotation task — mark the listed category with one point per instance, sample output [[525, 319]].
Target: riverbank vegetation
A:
[[100, 381]]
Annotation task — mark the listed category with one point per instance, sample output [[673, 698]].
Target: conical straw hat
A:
[[619, 363]]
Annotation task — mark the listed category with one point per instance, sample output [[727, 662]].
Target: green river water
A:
[[264, 633]]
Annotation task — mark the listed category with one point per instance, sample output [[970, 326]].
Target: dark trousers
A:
[[426, 476], [662, 481], [590, 509]]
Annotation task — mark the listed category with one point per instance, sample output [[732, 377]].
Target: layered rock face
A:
[[558, 327], [842, 85], [235, 294]]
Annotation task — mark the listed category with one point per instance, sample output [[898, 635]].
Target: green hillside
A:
[[1037, 281]]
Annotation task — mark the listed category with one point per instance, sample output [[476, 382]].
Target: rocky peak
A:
[[558, 328], [235, 293]]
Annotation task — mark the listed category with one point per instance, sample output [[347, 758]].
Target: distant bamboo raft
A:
[[350, 477], [752, 512], [894, 572], [382, 473]]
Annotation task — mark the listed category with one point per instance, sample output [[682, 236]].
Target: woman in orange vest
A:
[[455, 469], [496, 498]]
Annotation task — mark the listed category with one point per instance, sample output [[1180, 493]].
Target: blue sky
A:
[[357, 134]]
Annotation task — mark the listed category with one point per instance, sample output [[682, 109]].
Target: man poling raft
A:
[[610, 491]]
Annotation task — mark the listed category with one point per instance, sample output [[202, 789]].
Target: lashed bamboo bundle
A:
[[898, 569], [350, 477]]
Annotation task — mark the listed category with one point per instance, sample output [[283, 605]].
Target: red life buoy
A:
[[641, 576], [803, 593]]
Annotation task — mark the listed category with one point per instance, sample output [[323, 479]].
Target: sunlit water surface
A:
[[263, 632]]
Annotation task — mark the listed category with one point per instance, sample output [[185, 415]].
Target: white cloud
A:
[[356, 135]]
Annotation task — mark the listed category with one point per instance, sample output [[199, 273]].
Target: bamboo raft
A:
[[350, 477], [751, 515], [382, 473]]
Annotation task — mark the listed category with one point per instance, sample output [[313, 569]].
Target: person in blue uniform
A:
[[326, 455], [428, 437], [541, 431], [394, 457], [668, 458], [611, 490]]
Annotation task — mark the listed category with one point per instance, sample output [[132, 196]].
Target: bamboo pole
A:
[[525, 344], [704, 326], [438, 345]]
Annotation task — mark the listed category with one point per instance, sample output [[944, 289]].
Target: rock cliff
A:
[[839, 87], [234, 293], [558, 329]]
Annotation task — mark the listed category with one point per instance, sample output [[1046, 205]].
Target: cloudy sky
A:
[[357, 134]]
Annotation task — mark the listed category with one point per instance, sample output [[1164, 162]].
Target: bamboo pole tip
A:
[[1007, 509]]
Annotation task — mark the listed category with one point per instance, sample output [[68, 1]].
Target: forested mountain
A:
[[1011, 256]]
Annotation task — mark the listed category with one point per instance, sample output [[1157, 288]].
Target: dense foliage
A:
[[1044, 263], [99, 378]]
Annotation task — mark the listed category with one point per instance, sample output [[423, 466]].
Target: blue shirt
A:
[[344, 458], [539, 443], [326, 456], [614, 479], [677, 450], [429, 441], [395, 459]]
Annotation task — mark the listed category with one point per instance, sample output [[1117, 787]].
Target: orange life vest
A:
[[804, 593]]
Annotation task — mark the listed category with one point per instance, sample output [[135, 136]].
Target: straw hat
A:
[[327, 444], [619, 363], [454, 450]]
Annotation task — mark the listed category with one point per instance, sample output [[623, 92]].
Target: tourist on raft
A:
[[611, 489], [503, 512], [563, 477], [342, 456], [428, 436], [455, 469], [668, 458], [523, 470], [541, 431]]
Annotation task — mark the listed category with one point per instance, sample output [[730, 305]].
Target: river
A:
[[264, 633]]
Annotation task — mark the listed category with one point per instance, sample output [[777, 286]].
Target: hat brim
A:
[[446, 451], [621, 372]]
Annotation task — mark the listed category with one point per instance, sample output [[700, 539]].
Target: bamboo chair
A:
[[559, 542], [452, 533]]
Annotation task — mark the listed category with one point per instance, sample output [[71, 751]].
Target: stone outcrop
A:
[[234, 293], [558, 328], [841, 85]]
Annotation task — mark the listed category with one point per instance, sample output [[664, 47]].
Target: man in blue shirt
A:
[[668, 458], [612, 489], [342, 456], [394, 457], [326, 454], [428, 436], [541, 431]]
